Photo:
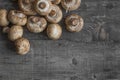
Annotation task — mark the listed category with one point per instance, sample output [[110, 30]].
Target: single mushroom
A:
[[70, 5], [55, 1], [74, 23], [27, 7], [55, 14], [17, 17], [54, 31], [15, 32], [22, 46], [43, 7], [36, 24], [3, 17]]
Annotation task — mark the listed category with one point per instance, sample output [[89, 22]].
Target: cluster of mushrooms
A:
[[37, 16]]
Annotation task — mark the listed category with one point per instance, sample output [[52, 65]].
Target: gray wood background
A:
[[76, 56]]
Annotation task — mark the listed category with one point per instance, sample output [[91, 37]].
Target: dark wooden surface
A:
[[76, 56]]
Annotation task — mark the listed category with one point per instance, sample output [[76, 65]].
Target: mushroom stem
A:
[[74, 22], [35, 19], [42, 5], [52, 13]]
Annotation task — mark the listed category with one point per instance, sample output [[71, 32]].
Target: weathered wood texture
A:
[[76, 56]]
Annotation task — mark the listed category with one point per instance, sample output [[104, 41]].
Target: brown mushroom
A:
[[43, 7], [22, 46], [55, 1], [74, 23], [70, 5], [17, 17], [3, 17], [15, 32], [54, 31], [55, 14], [36, 24], [27, 7]]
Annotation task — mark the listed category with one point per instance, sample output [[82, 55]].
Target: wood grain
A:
[[76, 56]]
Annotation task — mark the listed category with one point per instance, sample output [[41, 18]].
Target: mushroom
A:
[[74, 23], [27, 7], [70, 5], [15, 32], [3, 17], [54, 31], [55, 14], [55, 1], [43, 7], [22, 46], [17, 17], [5, 29], [36, 24]]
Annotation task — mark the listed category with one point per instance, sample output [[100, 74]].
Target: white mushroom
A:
[[36, 24], [74, 23], [17, 17], [55, 14]]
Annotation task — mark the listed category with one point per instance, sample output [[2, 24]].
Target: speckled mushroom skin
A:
[[3, 18], [54, 31], [27, 7], [45, 10], [36, 24], [55, 15], [70, 5], [15, 32], [22, 46], [17, 17], [78, 25]]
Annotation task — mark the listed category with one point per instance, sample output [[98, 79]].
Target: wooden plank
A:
[[69, 58], [56, 60]]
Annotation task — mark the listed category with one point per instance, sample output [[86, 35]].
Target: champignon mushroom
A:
[[55, 1], [27, 7], [15, 32], [22, 46], [36, 24], [17, 17], [74, 23], [55, 14], [43, 7], [3, 17], [54, 31], [70, 5]]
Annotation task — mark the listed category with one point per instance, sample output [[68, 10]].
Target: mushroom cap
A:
[[55, 1], [74, 23], [27, 7], [17, 17], [43, 7], [55, 14], [22, 46], [36, 24], [15, 32], [3, 18], [54, 31], [70, 4]]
